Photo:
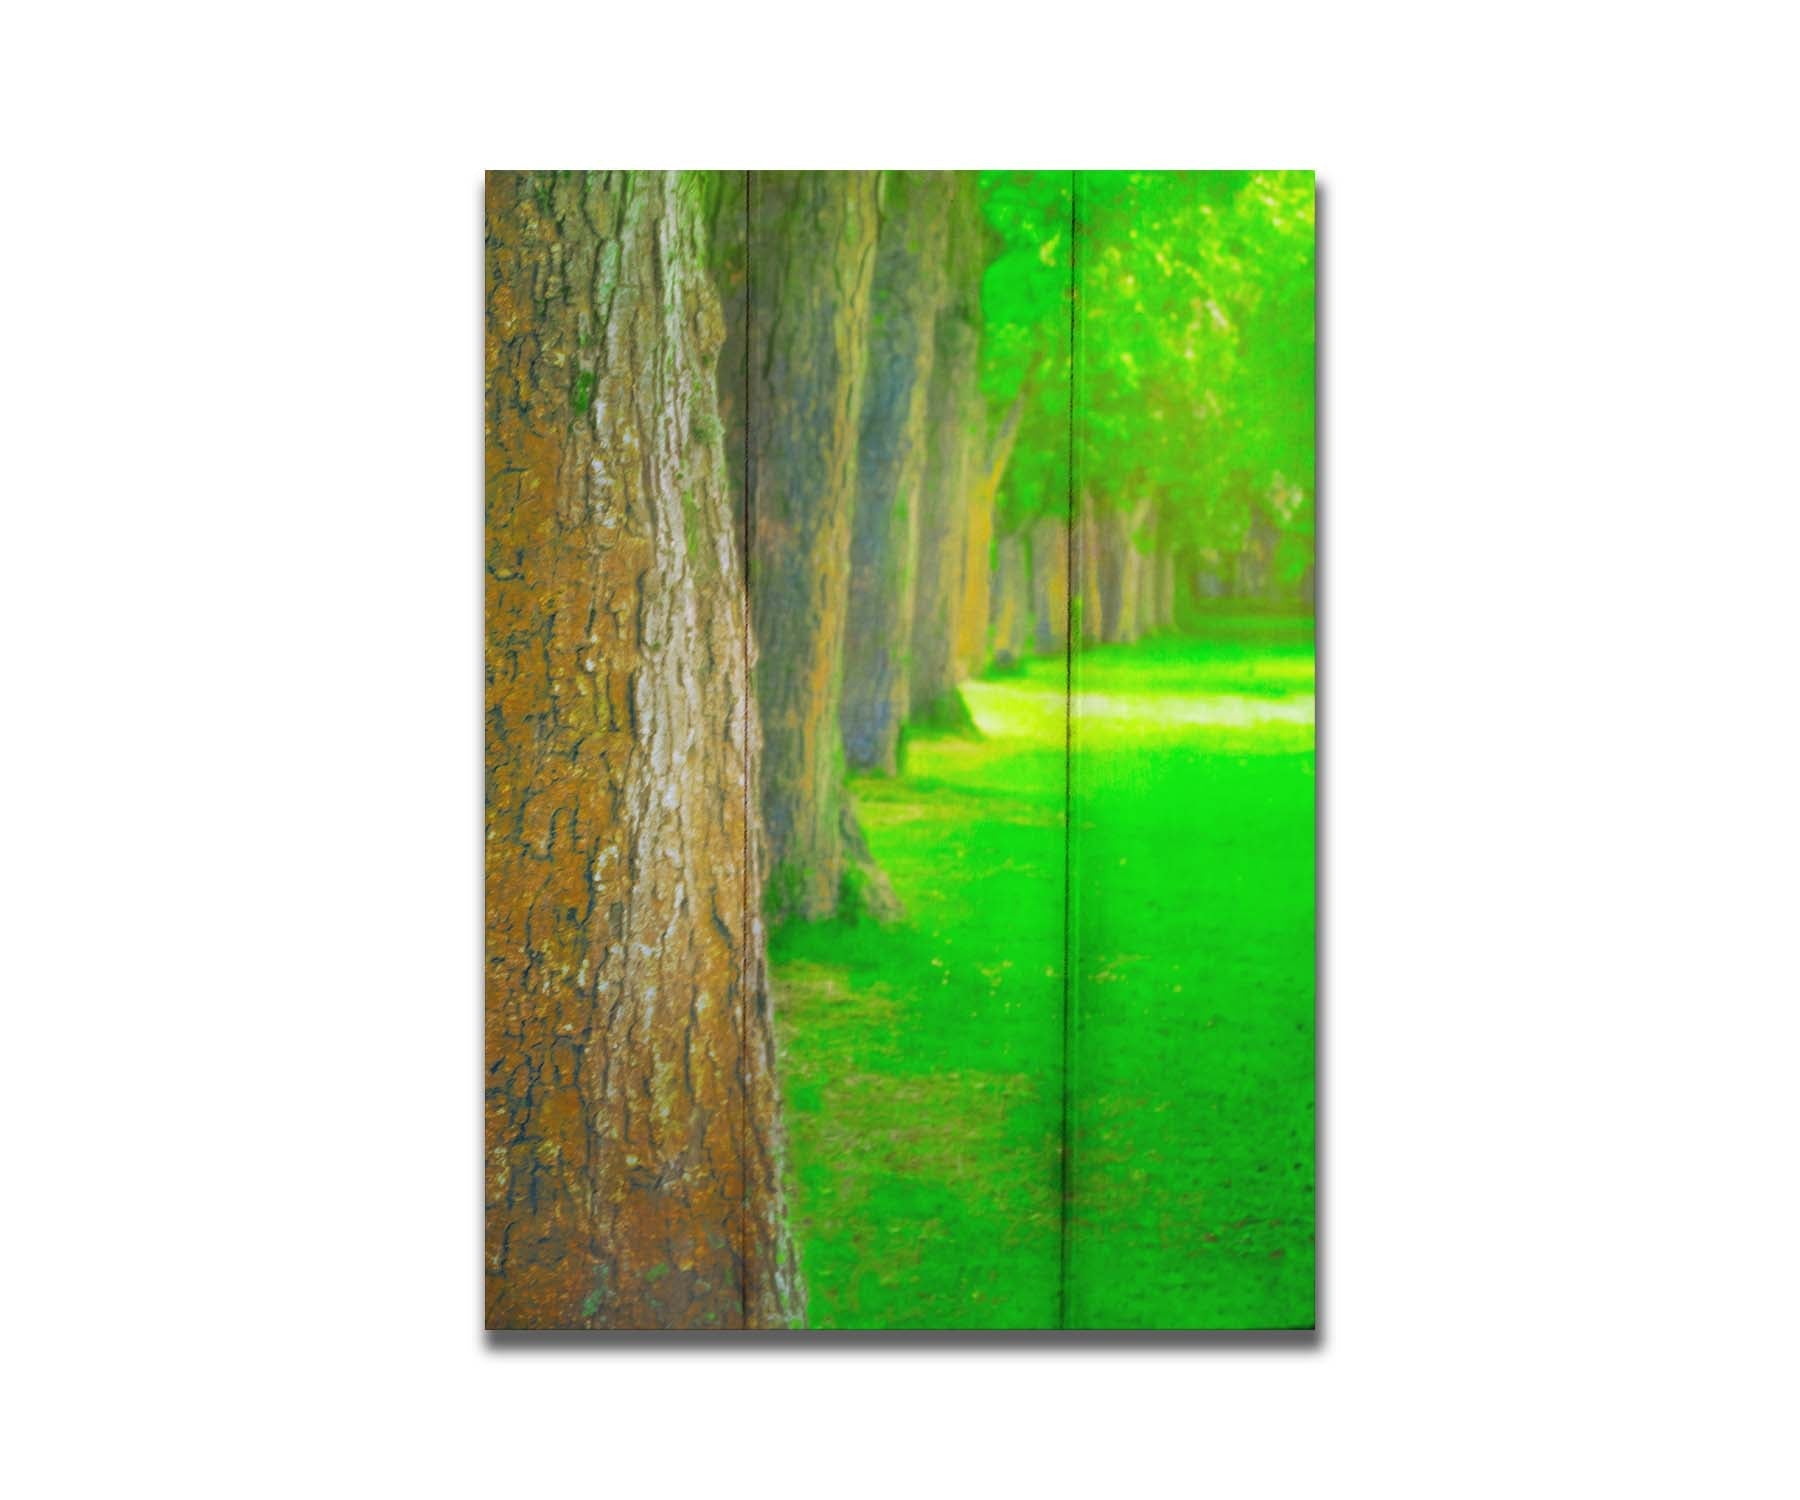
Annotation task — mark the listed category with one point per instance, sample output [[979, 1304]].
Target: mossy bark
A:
[[908, 289], [953, 450], [632, 1136], [812, 245]]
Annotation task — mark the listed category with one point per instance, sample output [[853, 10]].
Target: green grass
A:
[[923, 1063]]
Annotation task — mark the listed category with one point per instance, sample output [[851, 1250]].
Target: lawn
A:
[[923, 1063]]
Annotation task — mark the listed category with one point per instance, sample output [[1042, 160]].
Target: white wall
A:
[[242, 613]]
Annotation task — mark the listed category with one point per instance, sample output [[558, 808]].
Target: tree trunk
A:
[[1115, 580], [812, 263], [1011, 601], [728, 258], [1087, 574], [1121, 573], [1257, 574], [909, 282], [974, 643], [955, 423], [1166, 566], [1145, 543], [1050, 585], [975, 606], [633, 1142]]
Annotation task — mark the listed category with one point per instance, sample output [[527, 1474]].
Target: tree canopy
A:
[[1191, 297]]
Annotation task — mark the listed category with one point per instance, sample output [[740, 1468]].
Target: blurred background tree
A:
[[1189, 384]]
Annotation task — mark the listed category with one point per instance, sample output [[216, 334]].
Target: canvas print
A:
[[900, 748]]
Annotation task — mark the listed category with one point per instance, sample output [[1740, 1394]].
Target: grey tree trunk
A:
[[811, 267], [956, 422], [908, 291]]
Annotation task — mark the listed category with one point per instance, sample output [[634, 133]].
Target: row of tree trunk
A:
[[853, 394], [918, 603], [1126, 587], [741, 497]]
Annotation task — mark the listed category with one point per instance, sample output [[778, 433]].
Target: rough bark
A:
[[633, 1143], [812, 264], [955, 423], [909, 284], [1050, 585], [728, 259], [1011, 595]]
